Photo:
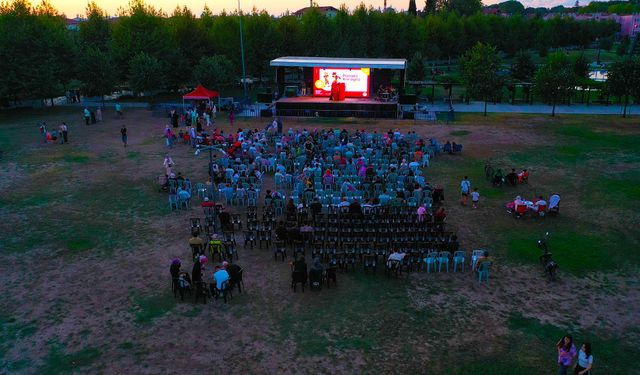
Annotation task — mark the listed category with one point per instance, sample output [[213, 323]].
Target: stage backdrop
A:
[[356, 81]]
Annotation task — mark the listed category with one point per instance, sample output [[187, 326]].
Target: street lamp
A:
[[244, 74], [211, 149]]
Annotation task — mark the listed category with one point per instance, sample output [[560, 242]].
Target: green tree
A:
[[97, 72], [412, 10], [95, 32], [464, 7], [36, 51], [623, 47], [145, 73], [480, 67], [141, 28], [416, 68], [581, 66], [605, 43], [523, 67], [623, 80], [215, 71], [260, 42], [511, 7], [430, 6], [555, 80]]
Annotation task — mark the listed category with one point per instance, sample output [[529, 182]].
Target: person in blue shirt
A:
[[220, 276], [184, 194], [87, 116], [585, 360]]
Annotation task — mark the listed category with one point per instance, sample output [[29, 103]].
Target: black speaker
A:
[[407, 99], [264, 98]]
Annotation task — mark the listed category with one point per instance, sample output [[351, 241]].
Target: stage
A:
[[310, 106]]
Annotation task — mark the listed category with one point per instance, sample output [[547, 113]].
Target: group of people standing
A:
[[567, 355], [465, 190], [61, 134]]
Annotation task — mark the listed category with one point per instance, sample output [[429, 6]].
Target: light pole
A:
[[244, 74]]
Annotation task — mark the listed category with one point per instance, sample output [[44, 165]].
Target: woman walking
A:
[[566, 354], [585, 360]]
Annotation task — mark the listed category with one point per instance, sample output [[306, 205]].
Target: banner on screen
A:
[[356, 81]]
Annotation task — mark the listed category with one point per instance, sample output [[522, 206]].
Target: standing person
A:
[[475, 197], [192, 135], [170, 138], [65, 132], [566, 354], [61, 137], [119, 110], [174, 118], [465, 187], [585, 360], [99, 114], [213, 114], [123, 133], [43, 131], [87, 116], [168, 164], [231, 117]]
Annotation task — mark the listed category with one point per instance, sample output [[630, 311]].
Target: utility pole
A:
[[244, 73]]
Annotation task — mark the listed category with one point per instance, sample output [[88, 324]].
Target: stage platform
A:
[[309, 106]]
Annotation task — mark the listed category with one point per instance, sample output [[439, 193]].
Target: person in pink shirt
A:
[[566, 354], [422, 212]]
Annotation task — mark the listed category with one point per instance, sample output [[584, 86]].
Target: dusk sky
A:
[[73, 7]]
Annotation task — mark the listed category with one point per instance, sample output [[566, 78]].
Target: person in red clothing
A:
[[440, 215], [206, 203]]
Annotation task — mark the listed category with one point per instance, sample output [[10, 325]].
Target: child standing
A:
[[475, 197]]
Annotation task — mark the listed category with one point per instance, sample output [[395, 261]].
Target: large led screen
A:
[[356, 81]]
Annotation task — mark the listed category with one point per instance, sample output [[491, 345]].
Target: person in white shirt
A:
[[539, 204], [395, 256], [475, 197]]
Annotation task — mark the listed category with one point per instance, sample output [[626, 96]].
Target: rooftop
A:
[[335, 62]]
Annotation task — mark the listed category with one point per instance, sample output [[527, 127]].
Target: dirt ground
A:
[[109, 308]]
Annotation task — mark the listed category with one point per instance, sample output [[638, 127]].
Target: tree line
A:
[[555, 81], [146, 49]]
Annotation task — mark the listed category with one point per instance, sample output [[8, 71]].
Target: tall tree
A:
[[97, 72], [412, 10], [480, 67], [523, 67], [464, 7], [145, 73], [555, 80], [623, 80], [214, 72], [95, 32], [141, 28], [430, 6], [415, 68]]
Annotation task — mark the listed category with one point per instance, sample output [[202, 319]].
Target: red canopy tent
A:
[[200, 93]]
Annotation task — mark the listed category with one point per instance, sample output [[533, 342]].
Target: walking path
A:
[[577, 109]]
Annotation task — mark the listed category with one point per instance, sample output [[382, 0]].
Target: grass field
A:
[[87, 240]]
